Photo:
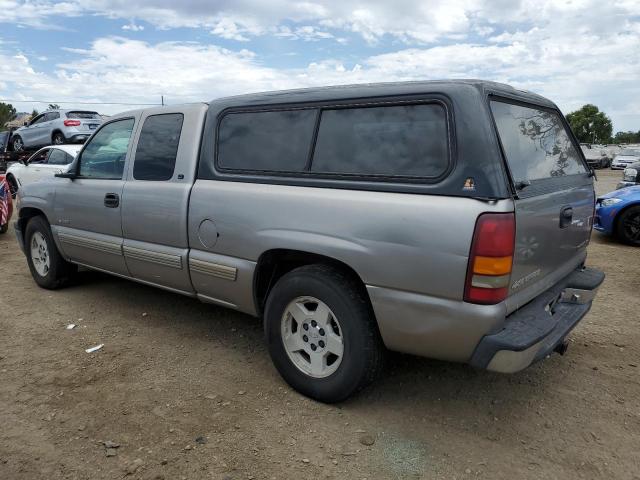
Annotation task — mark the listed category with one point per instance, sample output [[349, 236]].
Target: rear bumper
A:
[[537, 329], [79, 138]]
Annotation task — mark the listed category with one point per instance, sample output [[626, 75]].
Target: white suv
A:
[[56, 127]]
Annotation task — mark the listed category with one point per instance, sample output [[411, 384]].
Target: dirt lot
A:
[[173, 370]]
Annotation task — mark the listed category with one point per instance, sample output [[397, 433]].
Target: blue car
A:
[[618, 214]]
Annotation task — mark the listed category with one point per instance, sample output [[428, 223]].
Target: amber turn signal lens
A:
[[492, 265]]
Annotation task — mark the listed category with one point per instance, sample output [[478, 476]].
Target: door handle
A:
[[111, 200], [566, 216]]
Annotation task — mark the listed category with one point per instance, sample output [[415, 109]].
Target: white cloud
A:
[[132, 27], [574, 52]]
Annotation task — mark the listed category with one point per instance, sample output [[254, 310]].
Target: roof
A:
[[378, 90], [70, 149]]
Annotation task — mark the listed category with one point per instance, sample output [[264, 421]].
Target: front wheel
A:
[[48, 268], [628, 226], [13, 185], [18, 144], [321, 333]]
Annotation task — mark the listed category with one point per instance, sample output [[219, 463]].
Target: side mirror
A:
[[69, 175], [25, 124]]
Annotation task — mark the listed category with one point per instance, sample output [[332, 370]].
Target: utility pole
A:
[[162, 99]]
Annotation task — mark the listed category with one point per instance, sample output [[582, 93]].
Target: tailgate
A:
[[554, 197]]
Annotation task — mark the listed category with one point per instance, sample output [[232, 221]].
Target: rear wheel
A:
[[47, 266], [58, 138], [321, 333], [628, 226], [18, 144]]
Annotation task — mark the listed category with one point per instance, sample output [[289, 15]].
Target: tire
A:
[[13, 185], [18, 145], [350, 319], [58, 138], [628, 226], [38, 238]]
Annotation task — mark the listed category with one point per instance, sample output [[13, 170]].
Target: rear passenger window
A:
[[406, 140], [266, 141], [158, 147], [535, 142], [58, 157]]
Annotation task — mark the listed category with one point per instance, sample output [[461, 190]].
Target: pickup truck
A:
[[444, 219]]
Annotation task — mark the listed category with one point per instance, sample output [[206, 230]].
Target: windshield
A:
[[84, 115], [628, 151]]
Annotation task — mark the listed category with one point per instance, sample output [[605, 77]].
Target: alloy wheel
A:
[[312, 337]]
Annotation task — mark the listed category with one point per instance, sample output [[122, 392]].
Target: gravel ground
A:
[[187, 391]]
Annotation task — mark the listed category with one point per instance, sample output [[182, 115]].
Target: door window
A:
[[39, 157], [157, 147], [51, 116], [535, 142], [58, 157], [38, 119], [105, 154]]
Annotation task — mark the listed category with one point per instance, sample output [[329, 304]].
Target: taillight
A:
[[71, 123], [490, 259]]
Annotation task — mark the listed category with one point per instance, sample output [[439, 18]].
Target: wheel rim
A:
[[17, 145], [57, 140], [312, 337], [631, 227], [40, 254]]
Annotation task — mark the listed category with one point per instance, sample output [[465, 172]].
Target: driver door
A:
[[31, 171], [29, 134], [88, 208]]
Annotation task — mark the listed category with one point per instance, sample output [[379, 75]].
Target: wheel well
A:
[[57, 130], [273, 264], [26, 214]]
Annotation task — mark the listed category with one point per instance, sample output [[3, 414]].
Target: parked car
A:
[[596, 157], [428, 218], [630, 176], [46, 162], [4, 144], [56, 127], [618, 214], [6, 205], [626, 157]]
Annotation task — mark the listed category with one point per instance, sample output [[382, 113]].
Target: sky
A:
[[135, 51]]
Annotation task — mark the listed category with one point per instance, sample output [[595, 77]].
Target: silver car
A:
[[56, 127]]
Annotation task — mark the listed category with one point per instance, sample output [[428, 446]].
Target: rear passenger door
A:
[[156, 198]]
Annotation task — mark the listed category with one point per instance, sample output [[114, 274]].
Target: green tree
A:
[[627, 137], [590, 124], [53, 106], [35, 113], [7, 113]]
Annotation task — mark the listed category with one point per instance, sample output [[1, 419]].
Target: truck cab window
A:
[[158, 147], [105, 154]]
